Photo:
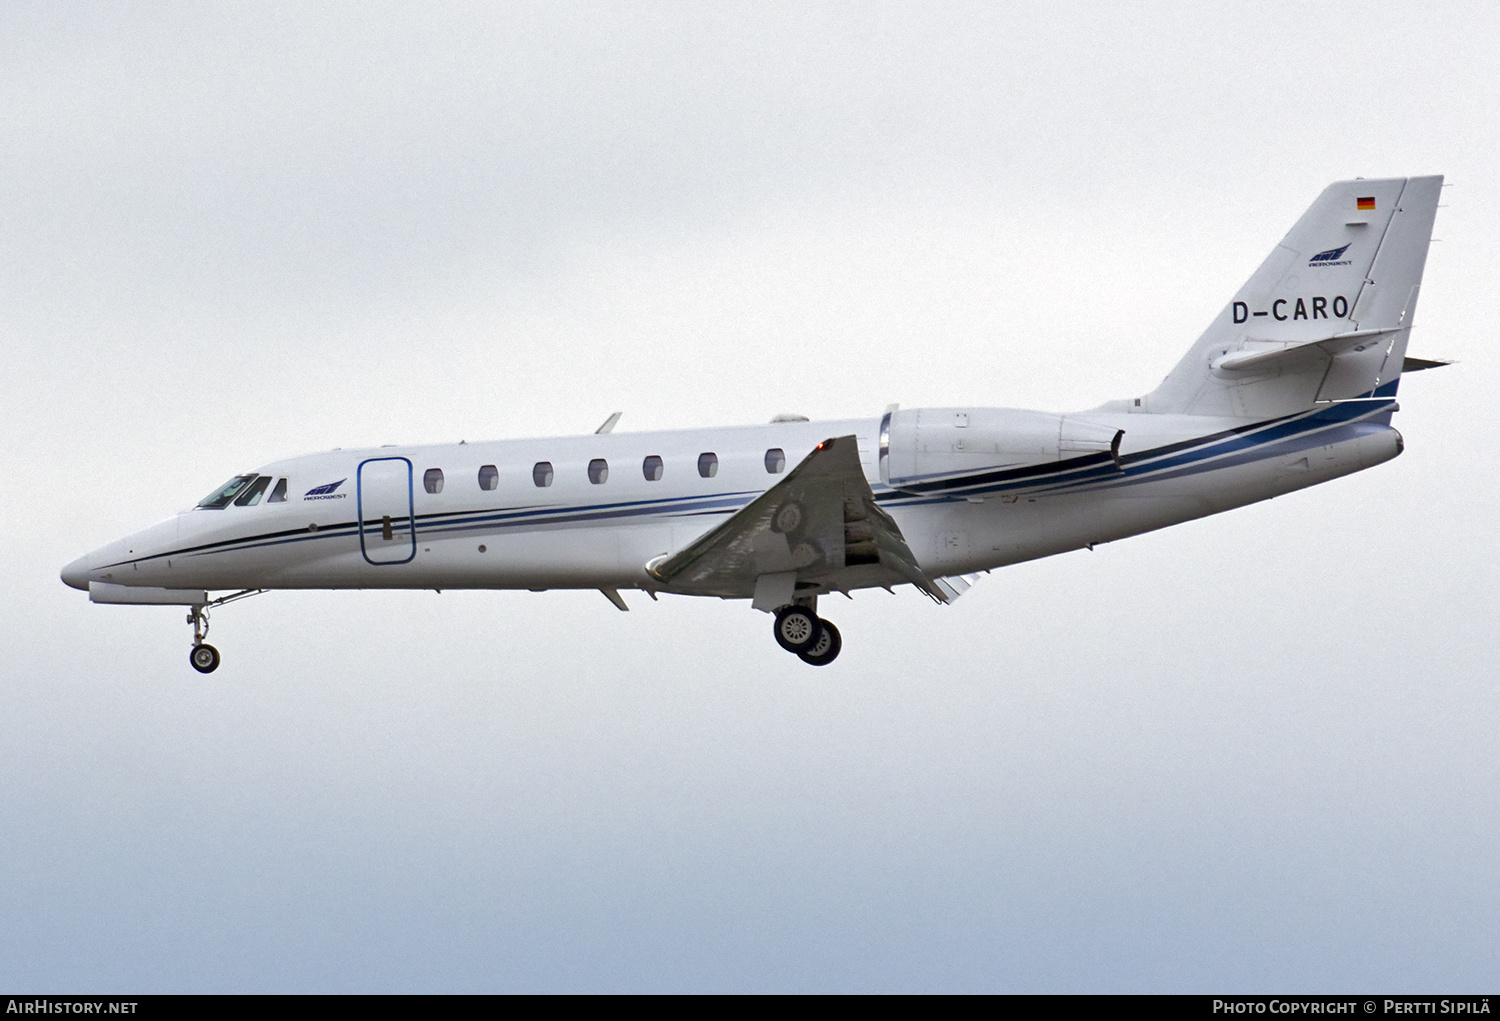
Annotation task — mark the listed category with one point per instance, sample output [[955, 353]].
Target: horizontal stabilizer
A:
[[1267, 358], [1410, 364]]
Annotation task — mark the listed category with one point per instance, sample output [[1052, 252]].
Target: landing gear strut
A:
[[204, 657], [799, 630]]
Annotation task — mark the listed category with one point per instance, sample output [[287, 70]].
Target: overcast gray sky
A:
[[1256, 752]]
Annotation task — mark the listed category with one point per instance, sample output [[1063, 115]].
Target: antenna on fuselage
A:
[[609, 424]]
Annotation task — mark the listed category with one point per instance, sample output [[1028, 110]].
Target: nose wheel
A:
[[205, 658]]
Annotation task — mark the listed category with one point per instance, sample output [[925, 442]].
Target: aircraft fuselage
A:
[[575, 532]]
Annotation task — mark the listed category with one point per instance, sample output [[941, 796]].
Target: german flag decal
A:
[[1365, 203]]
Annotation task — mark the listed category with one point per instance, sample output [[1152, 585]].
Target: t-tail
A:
[[1326, 317]]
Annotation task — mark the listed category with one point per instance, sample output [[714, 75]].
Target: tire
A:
[[789, 518], [826, 649], [205, 658], [797, 628]]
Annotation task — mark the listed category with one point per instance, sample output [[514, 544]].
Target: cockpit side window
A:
[[278, 495], [225, 494], [251, 496]]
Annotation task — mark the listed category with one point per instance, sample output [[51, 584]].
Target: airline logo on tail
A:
[[1330, 258]]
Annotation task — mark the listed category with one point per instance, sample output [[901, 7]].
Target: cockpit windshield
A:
[[225, 494], [251, 496]]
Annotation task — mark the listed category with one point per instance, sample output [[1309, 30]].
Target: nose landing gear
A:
[[204, 657], [800, 631]]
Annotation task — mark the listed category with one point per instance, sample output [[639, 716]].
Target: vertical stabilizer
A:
[[1326, 316]]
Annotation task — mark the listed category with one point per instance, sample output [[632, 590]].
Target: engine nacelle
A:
[[920, 448]]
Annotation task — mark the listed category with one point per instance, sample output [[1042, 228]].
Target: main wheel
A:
[[826, 649], [797, 628], [205, 658]]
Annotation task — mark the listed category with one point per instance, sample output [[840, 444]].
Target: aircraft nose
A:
[[100, 565], [87, 567], [76, 574]]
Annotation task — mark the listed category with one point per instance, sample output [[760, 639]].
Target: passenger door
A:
[[384, 497]]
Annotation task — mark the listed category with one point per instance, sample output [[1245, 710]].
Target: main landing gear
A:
[[799, 630], [204, 657]]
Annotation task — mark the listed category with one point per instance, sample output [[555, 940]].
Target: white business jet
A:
[[1293, 384]]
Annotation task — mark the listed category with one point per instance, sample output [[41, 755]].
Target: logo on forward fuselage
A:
[[326, 491]]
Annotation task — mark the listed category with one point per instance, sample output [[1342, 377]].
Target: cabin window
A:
[[541, 474], [221, 497], [278, 495], [252, 496], [708, 465], [776, 460], [489, 477], [598, 471], [432, 480], [652, 468]]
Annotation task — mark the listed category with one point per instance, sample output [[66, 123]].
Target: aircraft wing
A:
[[819, 526]]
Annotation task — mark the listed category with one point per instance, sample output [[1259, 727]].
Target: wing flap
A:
[[820, 524]]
